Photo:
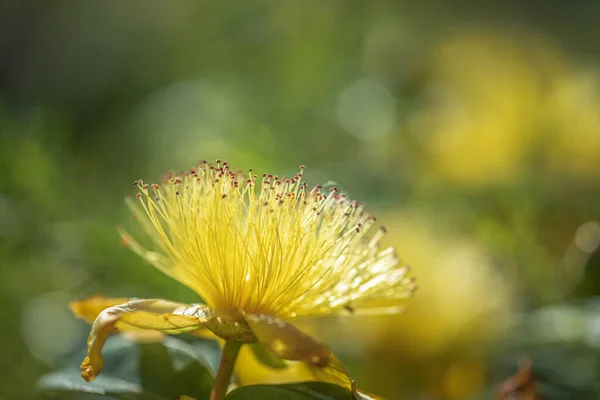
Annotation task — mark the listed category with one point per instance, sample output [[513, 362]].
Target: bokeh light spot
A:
[[366, 109], [48, 328], [587, 237]]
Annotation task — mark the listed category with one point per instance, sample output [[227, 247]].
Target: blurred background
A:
[[471, 129]]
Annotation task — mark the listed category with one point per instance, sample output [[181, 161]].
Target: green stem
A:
[[223, 378]]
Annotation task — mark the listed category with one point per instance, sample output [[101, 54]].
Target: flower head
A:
[[267, 245], [259, 252]]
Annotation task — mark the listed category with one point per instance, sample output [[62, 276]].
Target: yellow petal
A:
[[150, 314], [290, 343], [88, 309]]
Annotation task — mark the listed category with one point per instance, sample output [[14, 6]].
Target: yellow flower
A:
[[259, 252]]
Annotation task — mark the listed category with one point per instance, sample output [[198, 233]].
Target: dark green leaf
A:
[[294, 391], [155, 371]]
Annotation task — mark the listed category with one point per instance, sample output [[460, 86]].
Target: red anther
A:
[[264, 175], [177, 193], [357, 229], [176, 180], [249, 169], [144, 187], [248, 180], [383, 229], [217, 180], [269, 176], [224, 196], [187, 187], [218, 161], [319, 187], [137, 196], [334, 189], [155, 186], [302, 166]]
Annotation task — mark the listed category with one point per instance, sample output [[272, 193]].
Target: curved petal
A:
[[88, 310], [290, 343], [149, 314]]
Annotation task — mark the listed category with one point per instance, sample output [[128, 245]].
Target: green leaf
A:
[[266, 357], [294, 391], [152, 371]]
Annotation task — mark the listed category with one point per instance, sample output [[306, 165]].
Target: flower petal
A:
[[290, 343], [88, 309], [150, 314]]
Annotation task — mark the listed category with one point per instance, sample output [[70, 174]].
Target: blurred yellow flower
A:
[[495, 104], [572, 121], [462, 298], [259, 252], [463, 305]]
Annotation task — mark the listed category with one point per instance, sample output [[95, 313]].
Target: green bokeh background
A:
[[465, 125]]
